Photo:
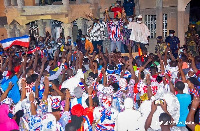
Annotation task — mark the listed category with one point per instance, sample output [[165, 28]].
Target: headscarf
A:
[[55, 102], [6, 124], [128, 103], [77, 110]]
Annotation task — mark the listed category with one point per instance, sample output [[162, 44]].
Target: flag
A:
[[21, 41], [33, 51]]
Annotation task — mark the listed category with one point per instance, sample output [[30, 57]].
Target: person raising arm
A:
[[190, 118]]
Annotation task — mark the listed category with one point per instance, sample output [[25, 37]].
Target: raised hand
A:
[[149, 60], [10, 86], [167, 77], [46, 80], [103, 71], [56, 53], [191, 57], [23, 83], [195, 102], [67, 96], [141, 69], [63, 60], [51, 62], [90, 90], [159, 55], [153, 107], [180, 64], [31, 97], [164, 106], [129, 47], [148, 79], [44, 59]]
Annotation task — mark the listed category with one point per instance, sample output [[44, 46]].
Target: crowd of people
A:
[[57, 85]]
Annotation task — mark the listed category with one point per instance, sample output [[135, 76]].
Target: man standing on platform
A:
[[140, 32], [173, 42], [96, 33], [114, 28], [129, 7]]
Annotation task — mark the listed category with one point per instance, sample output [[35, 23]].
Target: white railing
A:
[[19, 3], [164, 25]]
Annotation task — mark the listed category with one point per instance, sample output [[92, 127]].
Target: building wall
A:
[[3, 33], [147, 4], [171, 19], [29, 2], [170, 3], [2, 8], [107, 3], [169, 8]]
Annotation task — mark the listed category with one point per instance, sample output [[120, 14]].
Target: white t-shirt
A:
[[139, 32], [127, 120], [73, 82]]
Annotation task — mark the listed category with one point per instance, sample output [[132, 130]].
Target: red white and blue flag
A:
[[21, 41]]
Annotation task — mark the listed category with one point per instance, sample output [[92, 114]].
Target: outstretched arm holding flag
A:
[[21, 41]]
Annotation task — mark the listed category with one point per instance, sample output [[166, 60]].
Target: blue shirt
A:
[[14, 92], [173, 41], [128, 7], [185, 101]]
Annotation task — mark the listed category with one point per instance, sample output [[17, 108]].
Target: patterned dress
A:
[[97, 32], [114, 30], [126, 35]]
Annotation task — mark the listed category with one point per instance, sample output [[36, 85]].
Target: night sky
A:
[[195, 10]]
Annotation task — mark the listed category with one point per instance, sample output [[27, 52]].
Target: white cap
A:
[[139, 16], [128, 103]]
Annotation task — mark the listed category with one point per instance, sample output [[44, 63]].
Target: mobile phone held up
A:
[[159, 102]]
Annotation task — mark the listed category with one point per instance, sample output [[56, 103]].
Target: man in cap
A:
[[140, 32], [173, 42]]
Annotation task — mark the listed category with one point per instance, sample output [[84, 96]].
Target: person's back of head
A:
[[115, 87], [180, 85], [70, 127], [159, 79], [184, 58], [128, 103], [55, 82], [18, 115], [173, 63], [142, 75], [165, 120]]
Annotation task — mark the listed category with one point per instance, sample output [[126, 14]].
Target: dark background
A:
[[194, 10]]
